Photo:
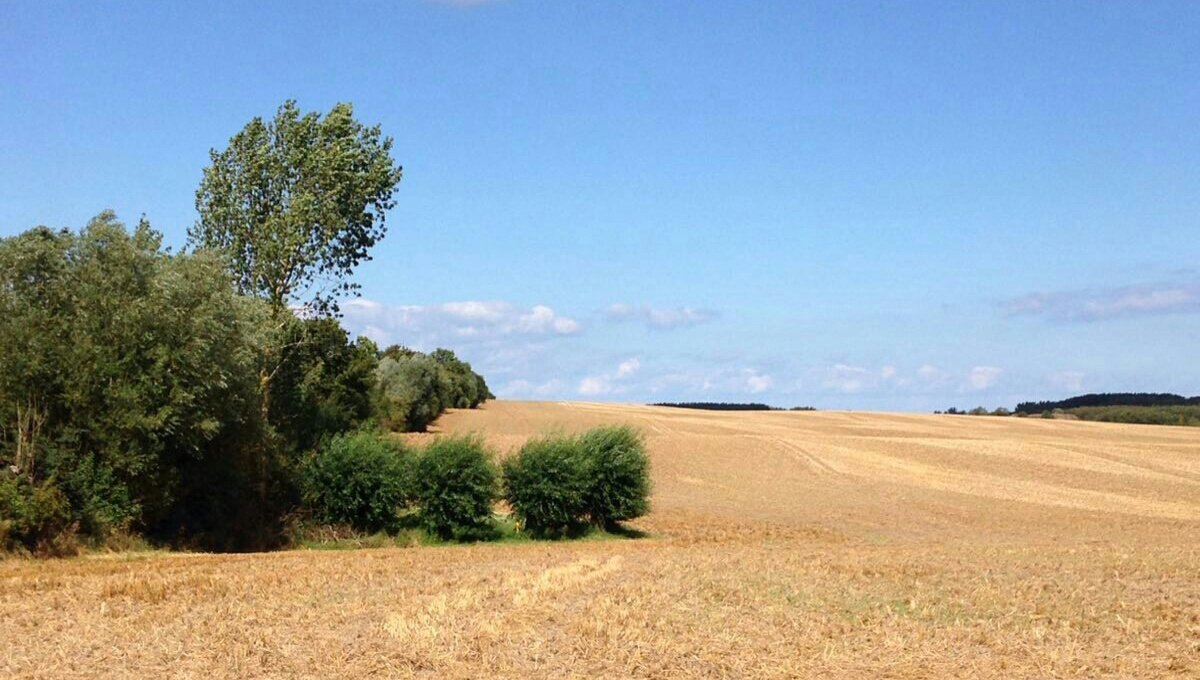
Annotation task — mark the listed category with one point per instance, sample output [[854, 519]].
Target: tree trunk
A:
[[29, 427]]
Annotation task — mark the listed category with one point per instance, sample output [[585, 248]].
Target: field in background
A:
[[782, 545]]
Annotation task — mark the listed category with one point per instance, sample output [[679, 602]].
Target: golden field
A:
[[823, 545]]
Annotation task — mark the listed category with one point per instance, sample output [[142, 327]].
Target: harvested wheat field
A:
[[831, 545]]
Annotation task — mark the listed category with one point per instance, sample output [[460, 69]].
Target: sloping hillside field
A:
[[839, 545]]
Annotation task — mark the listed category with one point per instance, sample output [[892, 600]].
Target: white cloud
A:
[[426, 326], [1107, 303], [757, 383], [541, 320], [887, 372], [594, 385], [661, 318], [983, 377], [628, 367], [606, 383]]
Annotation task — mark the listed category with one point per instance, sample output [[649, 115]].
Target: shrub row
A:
[[554, 484], [372, 483]]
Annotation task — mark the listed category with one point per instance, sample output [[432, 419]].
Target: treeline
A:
[[977, 411], [723, 406], [1109, 399], [180, 396], [1186, 415], [1115, 407], [134, 400]]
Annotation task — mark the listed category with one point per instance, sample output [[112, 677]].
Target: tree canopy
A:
[[295, 204]]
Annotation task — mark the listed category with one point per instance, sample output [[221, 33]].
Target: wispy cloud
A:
[[848, 379], [661, 318], [611, 382], [1108, 303], [454, 322], [932, 375], [757, 383]]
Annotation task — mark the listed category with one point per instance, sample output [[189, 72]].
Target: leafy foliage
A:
[[325, 383], [547, 485], [33, 517], [459, 385], [618, 474], [414, 388], [456, 484], [296, 203], [158, 372], [360, 479]]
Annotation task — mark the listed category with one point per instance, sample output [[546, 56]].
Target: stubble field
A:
[[832, 545]]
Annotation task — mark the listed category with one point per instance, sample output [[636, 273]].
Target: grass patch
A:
[[505, 528]]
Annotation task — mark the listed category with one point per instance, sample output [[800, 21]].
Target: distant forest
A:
[[722, 406], [1109, 399]]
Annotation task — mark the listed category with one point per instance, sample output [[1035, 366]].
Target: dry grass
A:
[[784, 545]]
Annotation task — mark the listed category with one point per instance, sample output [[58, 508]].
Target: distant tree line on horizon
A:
[[730, 406], [1109, 399], [1146, 408]]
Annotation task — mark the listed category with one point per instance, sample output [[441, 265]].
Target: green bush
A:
[[618, 474], [34, 517], [415, 388], [547, 486], [455, 488], [411, 392], [360, 479]]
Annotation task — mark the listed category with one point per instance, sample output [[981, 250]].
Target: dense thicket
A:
[[325, 383], [197, 398], [127, 382], [1109, 399], [416, 388], [132, 394]]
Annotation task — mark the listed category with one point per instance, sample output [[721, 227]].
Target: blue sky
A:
[[890, 206]]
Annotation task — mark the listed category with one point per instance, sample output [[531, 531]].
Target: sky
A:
[[884, 206]]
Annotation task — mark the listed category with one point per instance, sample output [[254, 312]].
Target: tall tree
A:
[[296, 203]]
